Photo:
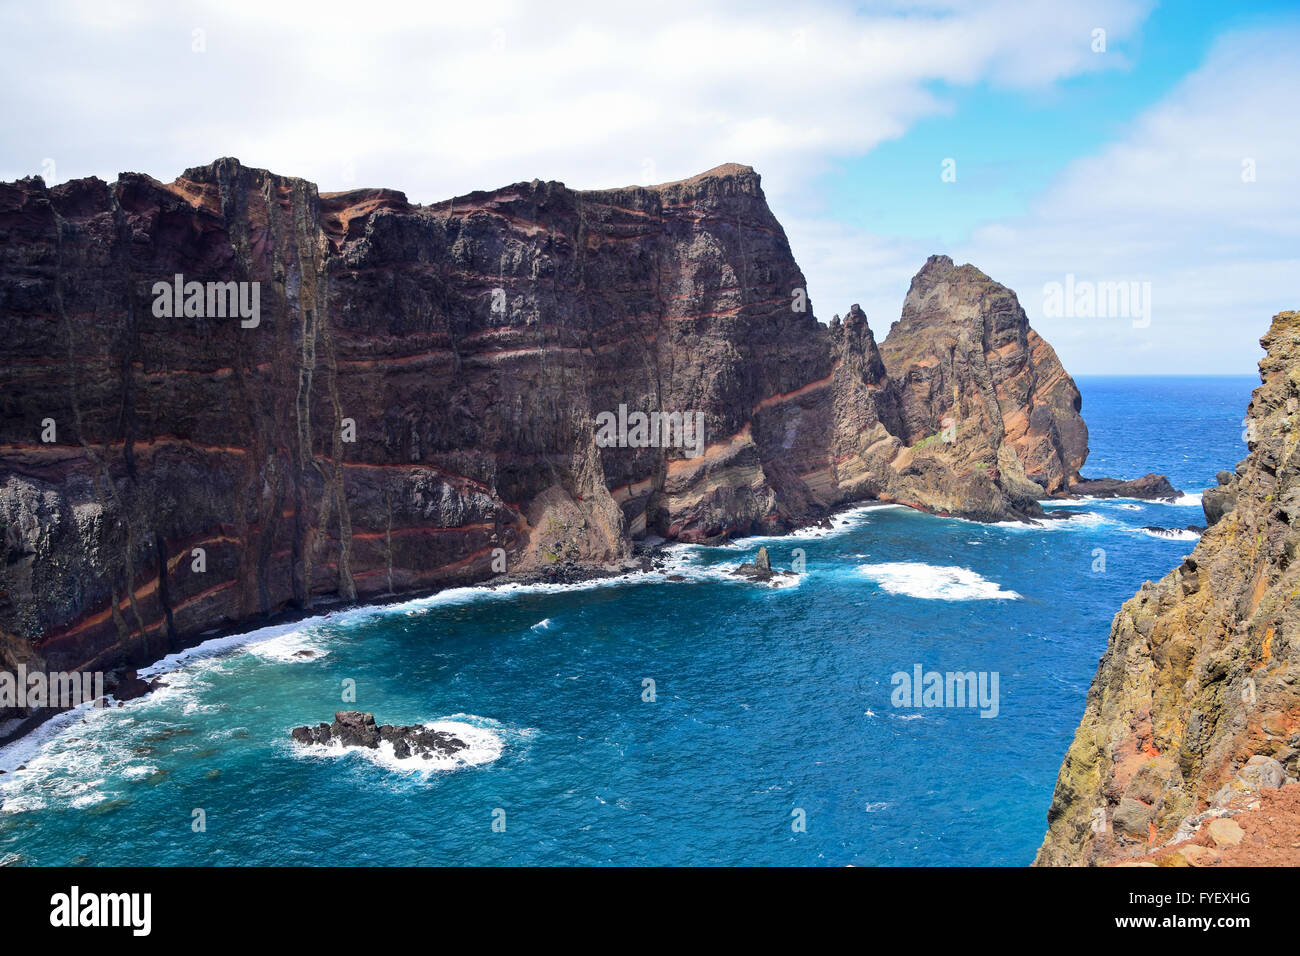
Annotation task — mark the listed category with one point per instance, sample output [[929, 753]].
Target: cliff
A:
[[989, 414], [1189, 746], [412, 405]]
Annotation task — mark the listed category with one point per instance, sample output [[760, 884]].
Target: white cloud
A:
[[1167, 204], [439, 99]]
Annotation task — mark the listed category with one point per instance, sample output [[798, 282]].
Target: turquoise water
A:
[[771, 705]]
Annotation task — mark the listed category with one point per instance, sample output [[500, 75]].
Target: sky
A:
[[1130, 169]]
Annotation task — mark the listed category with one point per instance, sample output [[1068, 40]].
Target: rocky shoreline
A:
[[647, 558], [1188, 751], [124, 686]]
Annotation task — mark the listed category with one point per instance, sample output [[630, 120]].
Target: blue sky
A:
[[1011, 143], [1123, 168]]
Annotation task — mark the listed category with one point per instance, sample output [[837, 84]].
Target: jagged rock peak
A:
[[962, 348]]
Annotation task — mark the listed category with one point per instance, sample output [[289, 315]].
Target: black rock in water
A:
[[1171, 532], [761, 569], [352, 728], [1151, 487], [1217, 502]]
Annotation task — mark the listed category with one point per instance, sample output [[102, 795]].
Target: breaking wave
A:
[[934, 582]]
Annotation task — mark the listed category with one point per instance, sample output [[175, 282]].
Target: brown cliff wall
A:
[[469, 346]]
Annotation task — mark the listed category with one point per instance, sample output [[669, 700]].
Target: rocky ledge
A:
[[1148, 488], [1189, 747], [352, 728]]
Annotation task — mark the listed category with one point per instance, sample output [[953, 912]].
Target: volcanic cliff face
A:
[[990, 416], [1194, 713], [415, 403]]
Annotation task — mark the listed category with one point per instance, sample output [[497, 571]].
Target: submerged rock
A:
[[352, 728], [130, 686], [1172, 532]]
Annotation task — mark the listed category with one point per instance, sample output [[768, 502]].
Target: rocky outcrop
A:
[[353, 728], [988, 415], [1196, 702], [761, 570], [415, 403], [1148, 488], [1218, 501]]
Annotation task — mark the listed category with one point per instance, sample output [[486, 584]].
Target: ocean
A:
[[647, 720]]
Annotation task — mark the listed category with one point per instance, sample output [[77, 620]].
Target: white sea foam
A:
[[543, 625], [840, 522], [1076, 522], [64, 765], [270, 642], [1173, 534], [683, 564], [935, 582], [295, 647], [25, 748], [786, 581], [1192, 499]]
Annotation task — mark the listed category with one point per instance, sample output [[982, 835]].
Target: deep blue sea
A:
[[772, 736]]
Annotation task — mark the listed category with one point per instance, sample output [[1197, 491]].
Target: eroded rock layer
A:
[[415, 404], [1195, 708]]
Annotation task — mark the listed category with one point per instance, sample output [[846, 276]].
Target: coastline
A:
[[647, 559]]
